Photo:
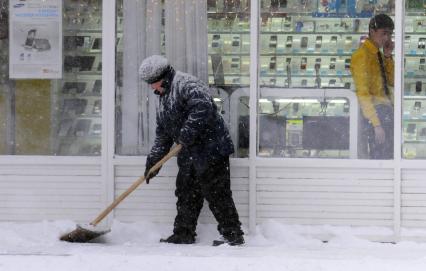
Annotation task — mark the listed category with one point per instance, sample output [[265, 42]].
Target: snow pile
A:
[[135, 246]]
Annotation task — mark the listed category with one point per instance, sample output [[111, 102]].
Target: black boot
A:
[[179, 239], [236, 240], [232, 240]]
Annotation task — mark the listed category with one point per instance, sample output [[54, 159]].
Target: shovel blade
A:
[[82, 235]]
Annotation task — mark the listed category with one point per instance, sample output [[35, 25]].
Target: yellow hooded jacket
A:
[[365, 69]]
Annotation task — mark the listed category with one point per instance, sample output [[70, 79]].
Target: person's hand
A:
[[379, 134], [388, 48], [149, 164], [150, 176]]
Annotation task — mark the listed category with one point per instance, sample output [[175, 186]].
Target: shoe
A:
[[179, 239], [232, 241], [236, 240]]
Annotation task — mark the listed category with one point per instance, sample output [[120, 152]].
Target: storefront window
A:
[[414, 97], [208, 39], [229, 65], [51, 116], [308, 104], [140, 33]]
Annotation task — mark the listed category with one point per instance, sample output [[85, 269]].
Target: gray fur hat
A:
[[154, 68]]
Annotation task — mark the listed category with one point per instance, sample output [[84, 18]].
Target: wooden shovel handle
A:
[[135, 185]]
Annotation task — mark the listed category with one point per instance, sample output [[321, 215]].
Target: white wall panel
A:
[[338, 196], [413, 198], [306, 195], [46, 191]]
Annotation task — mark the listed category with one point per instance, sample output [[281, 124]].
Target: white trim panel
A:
[[44, 191], [413, 198], [338, 196]]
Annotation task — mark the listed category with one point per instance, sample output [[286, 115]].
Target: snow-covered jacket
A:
[[188, 115]]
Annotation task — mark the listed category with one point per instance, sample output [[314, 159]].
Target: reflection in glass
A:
[[55, 117], [192, 43], [305, 53], [79, 95], [229, 61], [372, 68], [298, 127]]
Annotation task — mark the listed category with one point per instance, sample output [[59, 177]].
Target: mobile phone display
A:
[[30, 38], [347, 63], [215, 41], [422, 43], [97, 87], [422, 64], [235, 64], [303, 63], [74, 87], [348, 43], [97, 44], [273, 63], [411, 128], [304, 42], [289, 42], [317, 64], [332, 65], [407, 42], [418, 86], [273, 41], [318, 42], [236, 41], [417, 105]]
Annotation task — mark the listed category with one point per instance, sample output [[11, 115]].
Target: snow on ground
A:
[[135, 246]]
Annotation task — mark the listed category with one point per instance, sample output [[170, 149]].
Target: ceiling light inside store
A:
[[311, 101], [338, 101]]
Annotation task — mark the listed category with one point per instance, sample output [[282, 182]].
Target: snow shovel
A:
[[86, 234]]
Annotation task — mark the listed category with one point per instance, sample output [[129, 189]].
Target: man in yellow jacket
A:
[[373, 74]]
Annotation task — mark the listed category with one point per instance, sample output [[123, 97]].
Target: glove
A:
[[149, 164]]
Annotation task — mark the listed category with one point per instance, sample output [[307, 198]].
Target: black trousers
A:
[[385, 150], [214, 185]]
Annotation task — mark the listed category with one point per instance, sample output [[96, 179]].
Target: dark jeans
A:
[[385, 150], [214, 185]]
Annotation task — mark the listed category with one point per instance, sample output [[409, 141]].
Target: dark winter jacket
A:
[[188, 115]]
